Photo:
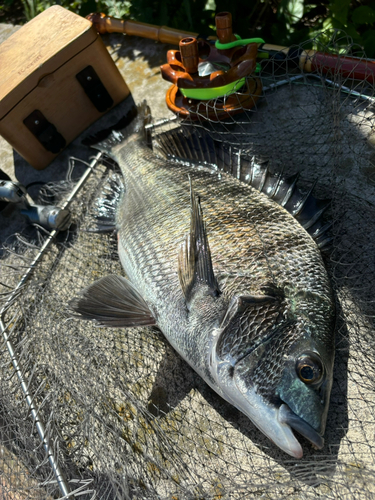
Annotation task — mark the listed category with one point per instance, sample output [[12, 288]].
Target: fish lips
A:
[[276, 422], [286, 416]]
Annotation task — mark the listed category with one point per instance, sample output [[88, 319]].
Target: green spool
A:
[[213, 93]]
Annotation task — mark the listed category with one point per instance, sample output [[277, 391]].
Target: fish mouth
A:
[[288, 417], [276, 422]]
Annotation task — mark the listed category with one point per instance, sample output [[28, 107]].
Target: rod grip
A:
[[358, 69], [107, 24]]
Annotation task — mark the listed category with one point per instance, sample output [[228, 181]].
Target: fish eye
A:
[[309, 368]]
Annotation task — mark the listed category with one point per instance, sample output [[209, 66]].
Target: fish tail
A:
[[134, 122], [102, 218]]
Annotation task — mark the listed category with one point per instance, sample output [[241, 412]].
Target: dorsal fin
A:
[[197, 146], [194, 259]]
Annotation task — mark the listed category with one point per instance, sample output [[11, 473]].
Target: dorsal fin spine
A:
[[194, 259], [292, 186], [302, 203], [251, 170], [317, 216], [264, 179], [238, 164]]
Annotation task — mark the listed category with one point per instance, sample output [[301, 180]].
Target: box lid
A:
[[37, 49]]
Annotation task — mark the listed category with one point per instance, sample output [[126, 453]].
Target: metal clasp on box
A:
[[45, 132], [94, 89]]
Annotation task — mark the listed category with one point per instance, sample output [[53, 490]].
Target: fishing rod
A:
[[308, 60], [108, 24]]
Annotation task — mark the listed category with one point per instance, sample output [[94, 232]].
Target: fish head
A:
[[276, 369]]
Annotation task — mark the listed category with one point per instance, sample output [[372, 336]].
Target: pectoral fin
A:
[[194, 259], [112, 301]]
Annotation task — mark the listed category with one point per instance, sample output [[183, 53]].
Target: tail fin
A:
[[134, 122]]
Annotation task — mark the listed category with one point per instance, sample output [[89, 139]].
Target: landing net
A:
[[121, 415]]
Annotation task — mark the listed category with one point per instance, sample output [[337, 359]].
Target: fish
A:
[[234, 282]]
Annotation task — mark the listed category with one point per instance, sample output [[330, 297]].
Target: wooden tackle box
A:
[[56, 78]]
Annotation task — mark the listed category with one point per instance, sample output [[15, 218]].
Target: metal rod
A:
[[60, 478], [63, 485], [160, 123], [283, 82], [347, 90]]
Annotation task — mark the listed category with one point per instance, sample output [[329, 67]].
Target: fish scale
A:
[[164, 225], [165, 220], [247, 321]]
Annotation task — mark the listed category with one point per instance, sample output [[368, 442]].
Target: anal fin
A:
[[112, 301]]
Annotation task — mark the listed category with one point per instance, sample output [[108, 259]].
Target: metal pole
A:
[[62, 482]]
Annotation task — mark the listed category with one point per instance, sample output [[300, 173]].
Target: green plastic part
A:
[[213, 93], [237, 43]]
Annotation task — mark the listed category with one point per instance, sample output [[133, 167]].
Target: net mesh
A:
[[123, 415]]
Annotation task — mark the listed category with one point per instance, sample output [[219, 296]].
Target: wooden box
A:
[[56, 78]]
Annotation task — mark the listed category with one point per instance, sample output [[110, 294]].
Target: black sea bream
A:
[[237, 286]]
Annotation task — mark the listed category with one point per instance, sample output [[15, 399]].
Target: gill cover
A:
[[271, 371]]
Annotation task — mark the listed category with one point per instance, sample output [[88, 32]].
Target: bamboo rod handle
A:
[[107, 24], [348, 67]]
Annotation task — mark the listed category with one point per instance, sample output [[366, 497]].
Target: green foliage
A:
[[188, 15], [32, 8], [363, 15], [281, 22], [5, 4], [339, 10], [288, 22]]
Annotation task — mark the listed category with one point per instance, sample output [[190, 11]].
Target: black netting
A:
[[122, 414]]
